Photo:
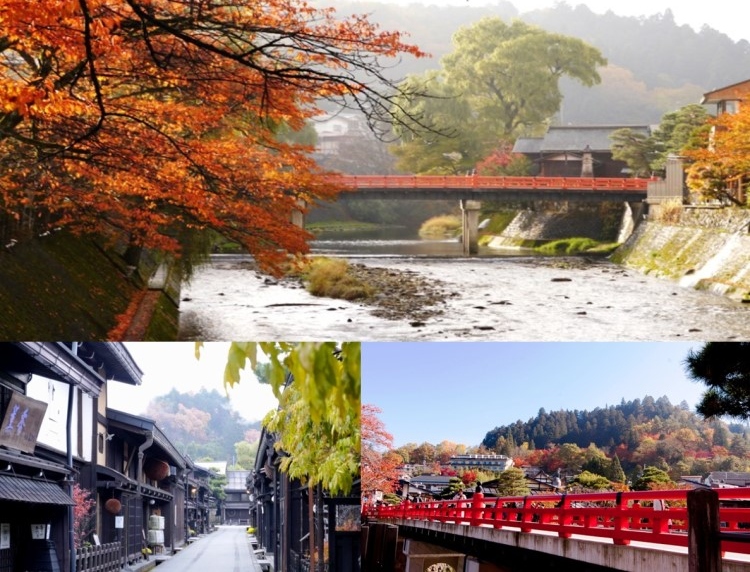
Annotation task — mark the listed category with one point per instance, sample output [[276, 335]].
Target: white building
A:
[[495, 463]]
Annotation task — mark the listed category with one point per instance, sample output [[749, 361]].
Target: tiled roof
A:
[[19, 489], [574, 138]]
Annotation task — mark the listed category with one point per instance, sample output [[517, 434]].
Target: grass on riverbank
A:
[[341, 226], [577, 246], [332, 278], [445, 226]]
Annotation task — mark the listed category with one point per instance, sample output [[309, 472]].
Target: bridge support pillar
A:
[[424, 557], [470, 224]]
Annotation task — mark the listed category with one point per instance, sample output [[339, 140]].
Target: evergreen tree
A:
[[725, 368], [616, 474], [652, 478], [591, 481], [509, 446], [512, 483]]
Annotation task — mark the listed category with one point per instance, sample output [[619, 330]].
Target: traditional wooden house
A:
[[281, 513], [200, 504], [236, 505], [576, 151], [49, 403], [728, 99], [141, 486]]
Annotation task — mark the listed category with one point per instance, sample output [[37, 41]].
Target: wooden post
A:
[[704, 546], [381, 548]]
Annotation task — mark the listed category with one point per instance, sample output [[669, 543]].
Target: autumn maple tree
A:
[[84, 514], [722, 167], [153, 117], [379, 463]]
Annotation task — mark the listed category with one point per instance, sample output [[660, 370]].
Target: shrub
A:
[[332, 278], [669, 211], [445, 226], [568, 246]]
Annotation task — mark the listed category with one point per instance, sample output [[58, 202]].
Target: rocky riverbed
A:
[[522, 298], [400, 294]]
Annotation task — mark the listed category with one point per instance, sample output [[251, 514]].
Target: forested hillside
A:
[[647, 432], [655, 66], [204, 426]]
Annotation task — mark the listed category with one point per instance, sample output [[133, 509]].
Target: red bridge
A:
[[477, 187], [625, 521], [484, 182], [471, 190]]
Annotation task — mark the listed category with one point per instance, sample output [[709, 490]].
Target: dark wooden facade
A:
[[147, 474], [281, 509], [38, 480]]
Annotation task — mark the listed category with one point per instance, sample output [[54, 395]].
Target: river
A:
[[502, 296]]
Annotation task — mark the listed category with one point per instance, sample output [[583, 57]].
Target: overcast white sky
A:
[[726, 16], [168, 365]]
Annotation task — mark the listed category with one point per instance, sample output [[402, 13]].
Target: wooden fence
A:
[[103, 558]]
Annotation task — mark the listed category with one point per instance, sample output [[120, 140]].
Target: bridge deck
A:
[[361, 182]]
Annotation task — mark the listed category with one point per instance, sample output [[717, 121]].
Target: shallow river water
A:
[[491, 297]]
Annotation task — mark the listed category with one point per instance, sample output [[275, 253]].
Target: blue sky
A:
[[457, 391]]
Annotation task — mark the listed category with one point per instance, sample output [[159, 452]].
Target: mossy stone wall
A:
[[65, 287], [705, 248]]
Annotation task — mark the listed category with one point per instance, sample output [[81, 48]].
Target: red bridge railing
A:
[[651, 516], [482, 182]]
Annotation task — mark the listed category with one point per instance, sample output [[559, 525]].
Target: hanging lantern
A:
[[112, 506], [155, 469]]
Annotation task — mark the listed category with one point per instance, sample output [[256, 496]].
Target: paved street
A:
[[225, 550]]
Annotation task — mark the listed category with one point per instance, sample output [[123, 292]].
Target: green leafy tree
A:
[[636, 149], [217, 484], [725, 368], [455, 485], [510, 73], [449, 146], [652, 478], [501, 80], [678, 132], [512, 482], [318, 385], [591, 481], [245, 454]]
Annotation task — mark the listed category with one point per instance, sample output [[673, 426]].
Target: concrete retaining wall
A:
[[554, 221], [707, 249]]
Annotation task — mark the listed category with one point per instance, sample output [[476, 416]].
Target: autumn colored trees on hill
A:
[[155, 116]]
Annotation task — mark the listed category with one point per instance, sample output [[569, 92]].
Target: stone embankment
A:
[[702, 248], [555, 221], [65, 287], [698, 247]]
